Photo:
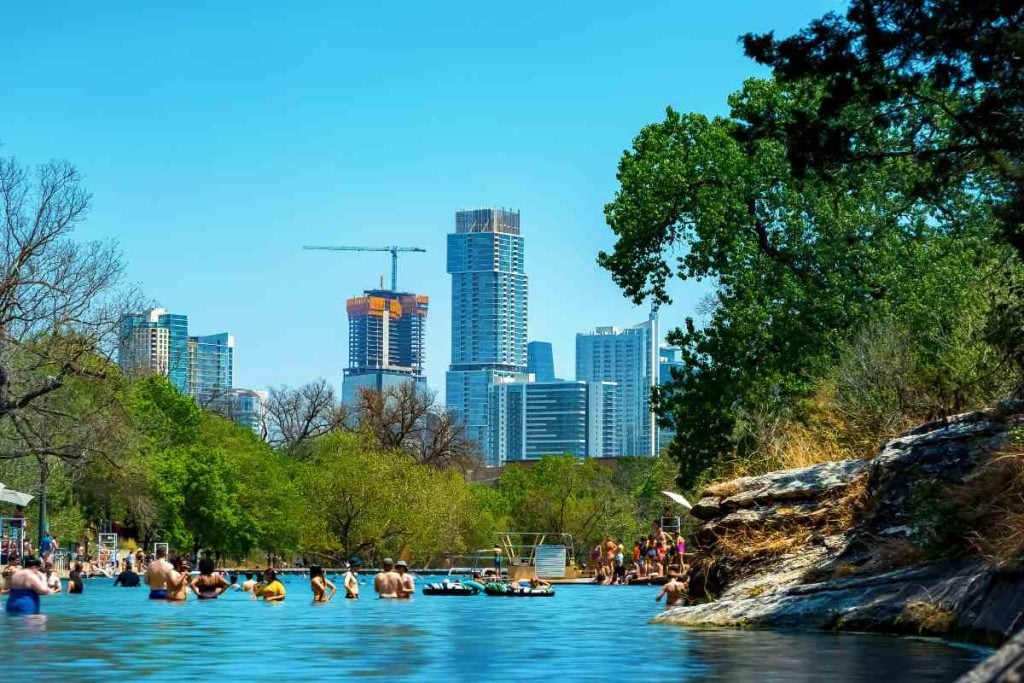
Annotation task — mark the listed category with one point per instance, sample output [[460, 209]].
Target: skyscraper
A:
[[156, 342], [386, 341], [210, 365], [489, 305], [629, 358], [540, 361], [529, 420], [668, 360]]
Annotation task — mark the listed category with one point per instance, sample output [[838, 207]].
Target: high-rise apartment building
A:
[[489, 307], [629, 358], [540, 361], [156, 342], [386, 341], [528, 420], [210, 365], [668, 361]]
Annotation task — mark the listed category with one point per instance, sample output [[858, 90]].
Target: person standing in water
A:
[[351, 583], [273, 590], [177, 581], [75, 585], [674, 591], [406, 585], [52, 580], [27, 584], [387, 582], [209, 584], [320, 585], [157, 575], [249, 584], [127, 578]]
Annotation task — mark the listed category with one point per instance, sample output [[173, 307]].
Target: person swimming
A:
[[320, 585], [209, 584], [27, 584]]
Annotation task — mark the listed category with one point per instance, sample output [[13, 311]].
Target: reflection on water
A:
[[586, 632]]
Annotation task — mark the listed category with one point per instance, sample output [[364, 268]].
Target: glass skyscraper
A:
[[540, 361], [210, 365], [629, 358], [489, 306], [529, 420], [668, 361], [157, 342]]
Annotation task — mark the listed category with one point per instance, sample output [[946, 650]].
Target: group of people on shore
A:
[[654, 556]]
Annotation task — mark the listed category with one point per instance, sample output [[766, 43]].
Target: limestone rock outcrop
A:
[[852, 544]]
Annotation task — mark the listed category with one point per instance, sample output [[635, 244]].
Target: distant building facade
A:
[[528, 420], [668, 361], [210, 366], [486, 260], [629, 358], [155, 342], [386, 341], [540, 361]]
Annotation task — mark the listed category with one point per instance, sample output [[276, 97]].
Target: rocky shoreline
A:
[[889, 545]]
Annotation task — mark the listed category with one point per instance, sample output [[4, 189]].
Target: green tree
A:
[[199, 503], [799, 264]]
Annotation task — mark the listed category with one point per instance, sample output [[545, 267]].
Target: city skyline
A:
[[226, 145]]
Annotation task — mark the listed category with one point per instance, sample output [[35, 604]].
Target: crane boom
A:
[[394, 257]]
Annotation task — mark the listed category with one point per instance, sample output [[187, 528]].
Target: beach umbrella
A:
[[14, 497], [677, 498]]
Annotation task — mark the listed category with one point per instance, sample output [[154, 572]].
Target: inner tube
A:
[[510, 591], [446, 588]]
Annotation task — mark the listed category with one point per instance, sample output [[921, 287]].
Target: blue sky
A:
[[217, 138]]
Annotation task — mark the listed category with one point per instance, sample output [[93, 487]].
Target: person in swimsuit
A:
[[675, 590], [75, 585], [273, 590], [52, 580], [386, 583], [209, 584], [406, 584], [177, 581], [249, 584], [157, 574], [320, 585], [351, 583], [27, 585]]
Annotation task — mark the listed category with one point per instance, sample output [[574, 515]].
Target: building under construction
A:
[[386, 341]]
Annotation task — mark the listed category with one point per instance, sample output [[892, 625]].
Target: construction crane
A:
[[394, 257]]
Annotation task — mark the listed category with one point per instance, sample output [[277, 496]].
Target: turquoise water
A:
[[584, 633]]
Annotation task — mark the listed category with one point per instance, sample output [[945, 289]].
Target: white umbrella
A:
[[678, 499], [14, 497]]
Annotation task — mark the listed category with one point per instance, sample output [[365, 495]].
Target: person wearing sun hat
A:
[[406, 585]]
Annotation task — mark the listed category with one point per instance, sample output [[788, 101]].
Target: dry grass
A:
[[990, 505], [746, 543], [844, 569], [888, 554], [927, 617]]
